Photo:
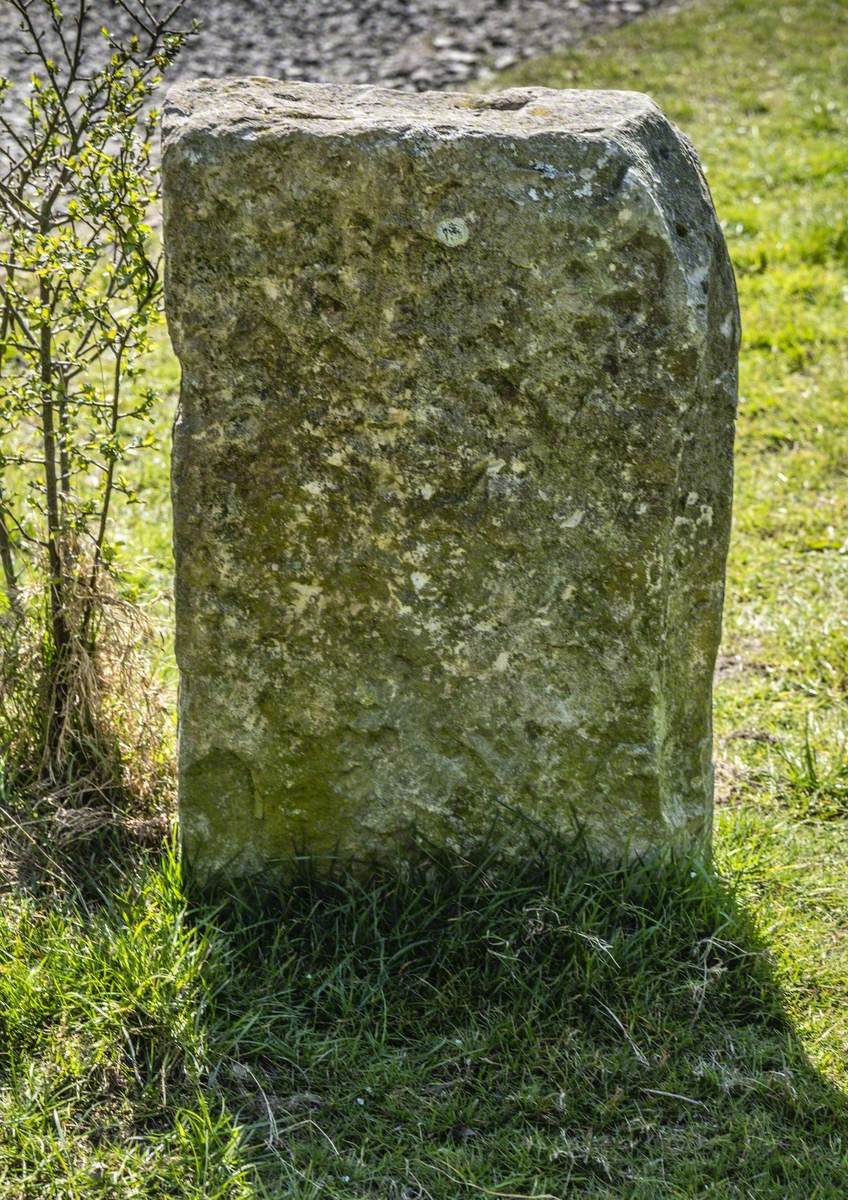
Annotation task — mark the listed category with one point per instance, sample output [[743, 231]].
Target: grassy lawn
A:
[[483, 1031]]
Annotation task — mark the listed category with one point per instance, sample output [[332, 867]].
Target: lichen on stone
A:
[[452, 467]]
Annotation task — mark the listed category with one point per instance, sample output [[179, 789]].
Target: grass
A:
[[472, 1029], [479, 1030]]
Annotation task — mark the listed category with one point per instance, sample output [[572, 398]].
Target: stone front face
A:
[[452, 467]]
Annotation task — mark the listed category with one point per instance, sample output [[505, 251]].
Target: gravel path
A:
[[414, 44]]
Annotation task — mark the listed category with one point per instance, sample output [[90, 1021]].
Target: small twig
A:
[[494, 1191], [641, 1057], [674, 1096]]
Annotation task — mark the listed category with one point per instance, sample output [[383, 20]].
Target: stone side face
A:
[[452, 467]]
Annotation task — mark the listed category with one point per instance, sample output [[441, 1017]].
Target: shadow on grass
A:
[[480, 1026], [468, 1026]]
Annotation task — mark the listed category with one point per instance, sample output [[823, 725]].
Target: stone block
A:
[[452, 467]]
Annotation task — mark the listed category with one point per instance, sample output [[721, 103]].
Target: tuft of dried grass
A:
[[110, 773]]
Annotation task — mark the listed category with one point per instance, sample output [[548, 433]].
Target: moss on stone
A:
[[452, 472]]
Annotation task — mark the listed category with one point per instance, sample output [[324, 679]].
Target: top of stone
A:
[[272, 106]]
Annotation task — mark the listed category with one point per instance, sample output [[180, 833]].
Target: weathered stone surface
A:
[[452, 469]]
